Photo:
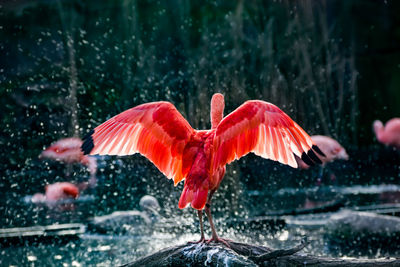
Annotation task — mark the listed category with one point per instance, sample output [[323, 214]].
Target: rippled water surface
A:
[[105, 250]]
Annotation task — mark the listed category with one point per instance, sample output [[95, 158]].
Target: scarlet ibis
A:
[[57, 191], [330, 147], [388, 134], [159, 132], [68, 150]]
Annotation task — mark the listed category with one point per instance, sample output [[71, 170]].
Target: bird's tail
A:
[[197, 197]]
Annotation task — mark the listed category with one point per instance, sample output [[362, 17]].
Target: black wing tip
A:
[[314, 147], [89, 134], [313, 156], [310, 158], [88, 144], [307, 160]]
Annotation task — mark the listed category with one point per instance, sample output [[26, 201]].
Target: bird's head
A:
[[340, 153], [63, 149], [52, 152], [217, 109], [377, 125], [149, 204]]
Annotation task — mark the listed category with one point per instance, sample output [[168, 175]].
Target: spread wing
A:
[[156, 130], [262, 128]]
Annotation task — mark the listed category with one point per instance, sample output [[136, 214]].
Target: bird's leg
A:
[[214, 232], [200, 214], [68, 170], [214, 237], [92, 182], [202, 238], [321, 173]]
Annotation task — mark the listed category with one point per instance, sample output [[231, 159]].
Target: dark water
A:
[[106, 250], [253, 200]]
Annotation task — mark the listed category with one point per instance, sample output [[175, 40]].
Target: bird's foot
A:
[[215, 240], [202, 240], [219, 240]]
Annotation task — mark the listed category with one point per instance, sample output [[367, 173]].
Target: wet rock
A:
[[240, 254], [363, 233], [194, 255]]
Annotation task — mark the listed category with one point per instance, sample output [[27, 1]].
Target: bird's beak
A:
[[343, 155]]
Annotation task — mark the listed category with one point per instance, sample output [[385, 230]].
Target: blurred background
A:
[[67, 66]]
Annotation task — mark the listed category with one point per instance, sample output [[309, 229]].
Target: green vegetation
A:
[[69, 65]]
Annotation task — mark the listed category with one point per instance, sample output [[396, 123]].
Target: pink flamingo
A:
[[330, 147], [390, 134], [57, 191], [68, 150], [159, 132]]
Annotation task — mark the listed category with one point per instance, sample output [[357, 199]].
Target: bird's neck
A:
[[217, 110], [216, 118]]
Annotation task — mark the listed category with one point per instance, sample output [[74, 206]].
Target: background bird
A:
[[331, 149], [159, 132], [57, 191], [68, 150], [129, 221], [388, 134]]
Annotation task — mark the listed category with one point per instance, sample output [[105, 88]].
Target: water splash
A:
[[193, 250], [210, 254], [220, 256]]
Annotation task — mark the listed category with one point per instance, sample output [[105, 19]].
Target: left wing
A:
[[262, 128], [156, 130]]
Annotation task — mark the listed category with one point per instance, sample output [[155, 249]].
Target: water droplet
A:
[[32, 258], [104, 248]]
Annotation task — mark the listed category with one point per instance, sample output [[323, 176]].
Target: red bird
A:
[[68, 150], [390, 134], [57, 191], [159, 132]]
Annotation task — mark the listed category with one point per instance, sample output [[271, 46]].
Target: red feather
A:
[[156, 130], [262, 128]]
